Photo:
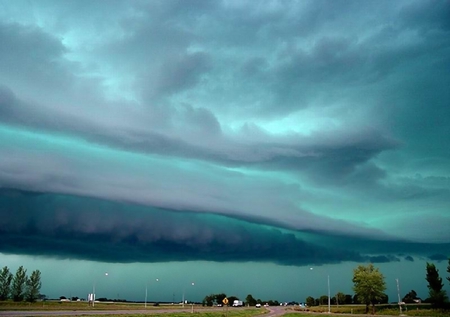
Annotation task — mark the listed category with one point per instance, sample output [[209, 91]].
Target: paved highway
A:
[[273, 311]]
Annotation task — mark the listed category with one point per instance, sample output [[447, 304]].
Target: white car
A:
[[258, 305]]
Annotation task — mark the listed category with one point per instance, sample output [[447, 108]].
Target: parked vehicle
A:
[[238, 303]]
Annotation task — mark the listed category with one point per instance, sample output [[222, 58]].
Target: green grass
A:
[[241, 313], [380, 310], [199, 311], [57, 305]]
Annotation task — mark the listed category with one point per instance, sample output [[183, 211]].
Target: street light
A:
[[192, 301], [329, 298], [93, 290], [184, 291], [146, 287]]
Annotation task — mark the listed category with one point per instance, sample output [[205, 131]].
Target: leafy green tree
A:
[[33, 286], [19, 284], [219, 298], [437, 295], [208, 300], [231, 299], [348, 299], [250, 300], [42, 297], [310, 301], [369, 285], [340, 298], [384, 299], [410, 297], [5, 283], [323, 300]]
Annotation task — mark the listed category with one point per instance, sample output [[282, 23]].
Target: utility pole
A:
[[398, 292], [329, 299]]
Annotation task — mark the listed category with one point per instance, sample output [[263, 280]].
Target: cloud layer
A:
[[293, 124], [63, 226]]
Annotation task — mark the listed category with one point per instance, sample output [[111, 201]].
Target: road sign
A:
[[225, 301]]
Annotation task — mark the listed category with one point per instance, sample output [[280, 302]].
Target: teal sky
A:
[[198, 140]]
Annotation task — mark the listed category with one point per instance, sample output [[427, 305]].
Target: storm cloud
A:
[[226, 131], [62, 226]]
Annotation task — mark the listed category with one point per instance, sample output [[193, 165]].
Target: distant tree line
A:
[[19, 287], [218, 299], [369, 287]]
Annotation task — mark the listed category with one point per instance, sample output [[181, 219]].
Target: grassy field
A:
[[57, 305], [315, 311], [382, 310], [199, 311]]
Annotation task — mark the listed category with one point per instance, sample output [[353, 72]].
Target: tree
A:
[[19, 284], [219, 298], [437, 295], [369, 285], [323, 300], [208, 300], [310, 301], [340, 298], [5, 283], [42, 297], [410, 297], [348, 299], [384, 299], [231, 299], [250, 300], [33, 286]]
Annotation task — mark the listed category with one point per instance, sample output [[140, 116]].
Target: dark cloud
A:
[[426, 15], [68, 226], [323, 155], [31, 58], [438, 257], [310, 117], [176, 74], [382, 259], [409, 258]]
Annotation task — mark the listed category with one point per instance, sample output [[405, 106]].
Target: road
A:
[[273, 312]]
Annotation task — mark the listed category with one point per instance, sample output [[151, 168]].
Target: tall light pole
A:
[[329, 299], [93, 290], [93, 294], [146, 287], [157, 280], [184, 300], [192, 301], [398, 292]]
